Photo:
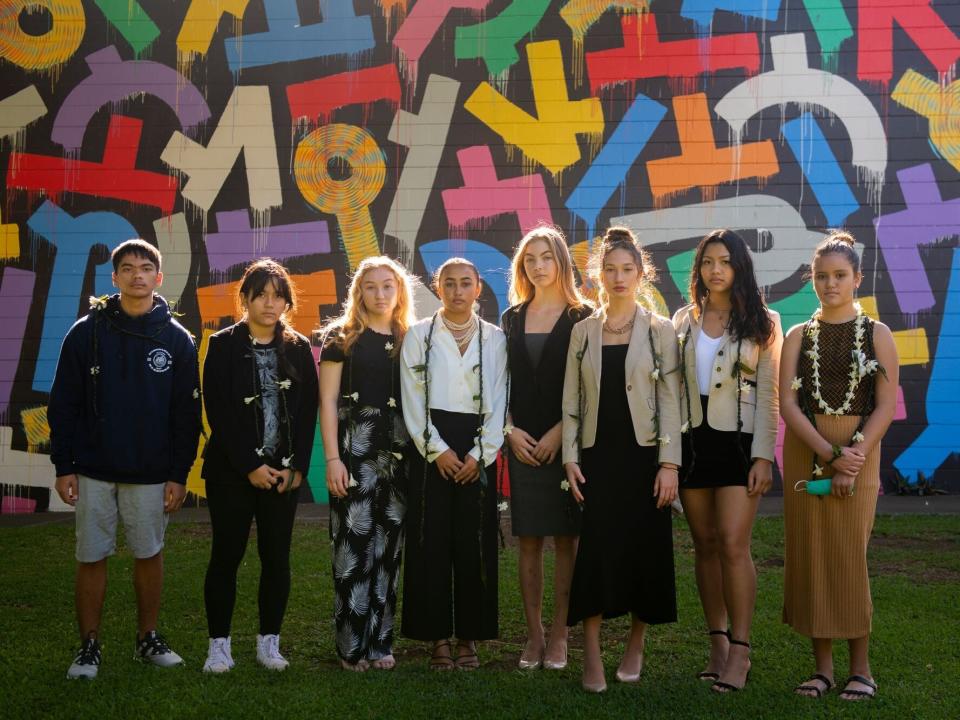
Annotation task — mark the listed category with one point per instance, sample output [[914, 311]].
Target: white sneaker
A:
[[268, 652], [154, 649], [219, 659], [87, 662]]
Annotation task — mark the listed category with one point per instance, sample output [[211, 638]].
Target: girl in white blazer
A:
[[730, 353]]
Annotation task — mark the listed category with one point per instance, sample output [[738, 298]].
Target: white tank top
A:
[[706, 354]]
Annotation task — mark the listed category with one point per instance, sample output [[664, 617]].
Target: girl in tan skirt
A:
[[838, 388]]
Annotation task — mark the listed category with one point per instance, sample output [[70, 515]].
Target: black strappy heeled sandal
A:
[[723, 687], [707, 674]]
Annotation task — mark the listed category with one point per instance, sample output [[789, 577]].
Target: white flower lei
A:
[[860, 367]]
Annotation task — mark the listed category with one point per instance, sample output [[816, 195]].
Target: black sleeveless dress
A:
[[625, 558]]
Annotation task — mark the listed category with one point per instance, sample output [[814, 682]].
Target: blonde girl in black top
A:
[[546, 305], [364, 438]]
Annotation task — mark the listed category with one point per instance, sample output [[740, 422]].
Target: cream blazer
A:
[[587, 338], [760, 369]]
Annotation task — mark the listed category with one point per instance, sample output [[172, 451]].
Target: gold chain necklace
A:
[[622, 330]]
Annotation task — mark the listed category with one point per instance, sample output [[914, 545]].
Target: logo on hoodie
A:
[[159, 360]]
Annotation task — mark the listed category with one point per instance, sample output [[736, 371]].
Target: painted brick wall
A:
[[321, 131]]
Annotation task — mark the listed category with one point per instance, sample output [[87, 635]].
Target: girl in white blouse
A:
[[453, 383]]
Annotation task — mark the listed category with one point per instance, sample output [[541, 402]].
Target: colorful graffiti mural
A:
[[322, 131]]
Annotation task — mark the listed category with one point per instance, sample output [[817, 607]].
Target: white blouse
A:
[[706, 353], [454, 383]]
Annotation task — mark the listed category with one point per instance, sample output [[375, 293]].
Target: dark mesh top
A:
[[836, 357]]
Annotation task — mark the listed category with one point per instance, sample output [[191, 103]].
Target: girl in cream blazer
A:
[[621, 429], [730, 356]]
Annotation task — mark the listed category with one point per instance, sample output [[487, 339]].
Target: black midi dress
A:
[[625, 557]]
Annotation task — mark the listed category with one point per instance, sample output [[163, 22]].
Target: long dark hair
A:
[[748, 315], [255, 279]]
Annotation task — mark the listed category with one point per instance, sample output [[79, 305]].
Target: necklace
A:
[[462, 332], [622, 330], [860, 367]]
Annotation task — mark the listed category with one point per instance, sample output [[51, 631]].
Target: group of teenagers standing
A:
[[606, 415]]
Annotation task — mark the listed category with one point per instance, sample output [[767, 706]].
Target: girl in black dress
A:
[[626, 422], [546, 307], [454, 377], [260, 393], [730, 353], [364, 438]]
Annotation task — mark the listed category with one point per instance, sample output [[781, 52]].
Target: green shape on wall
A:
[[317, 474], [797, 308], [132, 21], [679, 269], [496, 39]]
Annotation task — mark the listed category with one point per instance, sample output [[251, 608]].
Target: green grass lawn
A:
[[915, 567]]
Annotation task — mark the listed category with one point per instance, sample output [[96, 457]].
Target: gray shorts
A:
[[101, 504]]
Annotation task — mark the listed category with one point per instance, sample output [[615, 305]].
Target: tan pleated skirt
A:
[[826, 587]]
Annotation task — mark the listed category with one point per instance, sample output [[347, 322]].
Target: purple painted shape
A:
[[16, 294], [235, 242], [112, 80], [926, 219]]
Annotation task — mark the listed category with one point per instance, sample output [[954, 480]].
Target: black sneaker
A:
[[87, 662], [154, 649]]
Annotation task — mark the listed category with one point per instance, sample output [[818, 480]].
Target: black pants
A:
[[233, 505], [450, 564]]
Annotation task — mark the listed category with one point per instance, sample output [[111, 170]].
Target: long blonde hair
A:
[[622, 238], [522, 290], [354, 321]]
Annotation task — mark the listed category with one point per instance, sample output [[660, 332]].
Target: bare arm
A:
[[886, 389], [330, 374], [789, 403]]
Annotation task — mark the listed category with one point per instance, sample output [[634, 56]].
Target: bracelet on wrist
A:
[[330, 460], [836, 453]]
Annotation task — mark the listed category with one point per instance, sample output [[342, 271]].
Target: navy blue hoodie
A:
[[125, 404]]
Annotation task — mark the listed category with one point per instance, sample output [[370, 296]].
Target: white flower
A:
[[813, 354], [391, 402], [502, 506], [655, 374], [353, 396], [507, 429], [565, 485], [744, 388], [196, 393], [665, 440], [248, 400], [285, 462], [388, 346], [259, 451], [398, 456], [817, 470], [98, 303], [685, 427], [858, 436], [683, 338], [95, 370], [352, 482], [284, 384]]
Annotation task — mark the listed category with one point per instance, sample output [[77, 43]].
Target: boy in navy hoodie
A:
[[124, 418]]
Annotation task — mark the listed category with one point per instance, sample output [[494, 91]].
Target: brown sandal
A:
[[440, 661], [469, 659]]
